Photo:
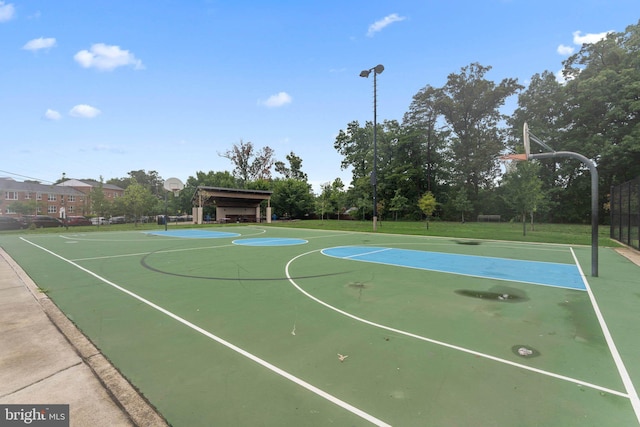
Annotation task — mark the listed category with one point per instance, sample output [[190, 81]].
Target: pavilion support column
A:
[[197, 215]]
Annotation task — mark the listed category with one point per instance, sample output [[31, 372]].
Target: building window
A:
[[11, 195], [27, 196], [70, 209], [51, 197], [9, 211], [38, 196], [71, 198], [52, 209]]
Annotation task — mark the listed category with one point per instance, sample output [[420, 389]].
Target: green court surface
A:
[[269, 326]]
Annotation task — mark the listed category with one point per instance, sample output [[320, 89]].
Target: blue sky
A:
[[102, 87]]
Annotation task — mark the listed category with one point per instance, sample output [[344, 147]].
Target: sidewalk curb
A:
[[124, 395]]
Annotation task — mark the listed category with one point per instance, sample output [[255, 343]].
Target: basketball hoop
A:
[[174, 185], [516, 157]]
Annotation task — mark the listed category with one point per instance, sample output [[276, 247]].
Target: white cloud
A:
[[41, 43], [7, 11], [84, 111], [52, 115], [588, 38], [384, 22], [277, 100], [107, 58], [565, 50]]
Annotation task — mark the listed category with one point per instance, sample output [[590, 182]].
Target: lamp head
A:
[[365, 73], [378, 68]]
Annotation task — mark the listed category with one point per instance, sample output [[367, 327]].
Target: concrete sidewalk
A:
[[44, 359]]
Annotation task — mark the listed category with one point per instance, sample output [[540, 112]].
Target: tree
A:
[[250, 165], [427, 205], [398, 204], [136, 202], [212, 179], [523, 190], [603, 117], [394, 161], [323, 202], [542, 105], [461, 202], [356, 148], [422, 119], [294, 170], [24, 207], [471, 105], [99, 204], [338, 196], [291, 198], [151, 180]]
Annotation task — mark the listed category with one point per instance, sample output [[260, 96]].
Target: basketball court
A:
[[252, 325]]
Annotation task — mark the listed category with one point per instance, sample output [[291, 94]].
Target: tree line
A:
[[449, 144]]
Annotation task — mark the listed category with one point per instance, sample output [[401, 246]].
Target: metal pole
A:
[[165, 210], [594, 199], [374, 180]]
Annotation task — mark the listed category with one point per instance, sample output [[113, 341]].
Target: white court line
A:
[[166, 251], [443, 344], [227, 344], [363, 253], [622, 370]]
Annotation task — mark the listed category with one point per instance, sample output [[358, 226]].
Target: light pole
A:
[[374, 181], [63, 209]]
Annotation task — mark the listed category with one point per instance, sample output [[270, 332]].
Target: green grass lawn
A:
[[572, 234]]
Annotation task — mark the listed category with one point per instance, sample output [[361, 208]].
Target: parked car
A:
[[117, 220], [10, 223], [77, 220], [40, 221], [99, 220]]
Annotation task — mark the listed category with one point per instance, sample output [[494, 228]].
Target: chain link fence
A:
[[625, 213]]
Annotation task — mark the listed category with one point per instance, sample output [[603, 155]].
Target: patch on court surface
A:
[[534, 272], [265, 241], [192, 233]]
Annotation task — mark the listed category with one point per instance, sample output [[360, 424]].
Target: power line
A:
[[28, 177]]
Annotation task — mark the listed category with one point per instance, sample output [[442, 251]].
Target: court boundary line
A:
[[622, 370], [319, 392], [444, 344]]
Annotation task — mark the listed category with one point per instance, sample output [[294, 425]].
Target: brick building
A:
[[71, 197]]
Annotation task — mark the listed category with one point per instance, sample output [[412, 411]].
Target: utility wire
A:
[[28, 177]]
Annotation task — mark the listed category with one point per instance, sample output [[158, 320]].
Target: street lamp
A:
[[63, 210], [374, 181]]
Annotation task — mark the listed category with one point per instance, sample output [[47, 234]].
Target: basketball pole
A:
[[594, 198], [175, 186], [528, 137]]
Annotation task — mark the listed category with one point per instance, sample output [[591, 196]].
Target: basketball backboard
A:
[[174, 185]]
